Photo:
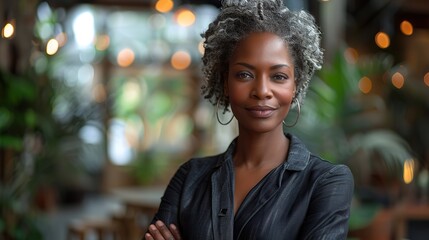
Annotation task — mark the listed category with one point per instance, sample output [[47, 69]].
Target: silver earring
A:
[[299, 113], [217, 116]]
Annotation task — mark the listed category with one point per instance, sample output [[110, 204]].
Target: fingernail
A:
[[173, 226], [159, 223], [152, 227]]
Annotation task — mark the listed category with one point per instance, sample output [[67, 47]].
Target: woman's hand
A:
[[159, 231]]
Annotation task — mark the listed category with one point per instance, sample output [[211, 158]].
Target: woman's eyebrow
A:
[[279, 66], [245, 65], [272, 67]]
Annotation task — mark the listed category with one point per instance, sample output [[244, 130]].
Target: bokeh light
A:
[[83, 28], [125, 57], [62, 39], [382, 40], [406, 28], [201, 48], [351, 55], [365, 85], [91, 134], [119, 150], [52, 47], [181, 60], [398, 80], [132, 93], [44, 11], [426, 79], [8, 30], [185, 17], [164, 6], [102, 42], [85, 75], [408, 174]]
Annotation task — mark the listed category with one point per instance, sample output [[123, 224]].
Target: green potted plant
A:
[[18, 120], [345, 125]]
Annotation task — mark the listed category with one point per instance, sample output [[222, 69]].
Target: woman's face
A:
[[260, 82]]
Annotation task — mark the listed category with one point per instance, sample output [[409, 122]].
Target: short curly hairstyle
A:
[[239, 18]]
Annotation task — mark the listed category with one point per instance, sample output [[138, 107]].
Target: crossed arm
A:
[[159, 231]]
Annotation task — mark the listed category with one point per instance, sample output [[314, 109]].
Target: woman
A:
[[259, 58]]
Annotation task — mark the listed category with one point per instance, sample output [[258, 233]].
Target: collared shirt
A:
[[306, 197]]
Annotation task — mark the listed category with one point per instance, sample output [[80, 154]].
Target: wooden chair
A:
[[133, 222], [101, 227]]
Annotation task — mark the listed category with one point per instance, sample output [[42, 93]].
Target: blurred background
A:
[[100, 103]]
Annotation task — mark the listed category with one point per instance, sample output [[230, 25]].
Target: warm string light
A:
[[382, 40], [426, 79], [8, 30], [185, 17], [181, 60], [365, 85], [52, 46], [125, 57], [406, 28], [164, 6], [398, 80], [408, 174]]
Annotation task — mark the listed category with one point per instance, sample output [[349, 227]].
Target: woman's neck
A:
[[261, 150]]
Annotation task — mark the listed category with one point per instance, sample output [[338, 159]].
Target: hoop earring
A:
[[299, 113], [217, 116]]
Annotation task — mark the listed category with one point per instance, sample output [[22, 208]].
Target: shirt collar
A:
[[298, 156], [297, 159]]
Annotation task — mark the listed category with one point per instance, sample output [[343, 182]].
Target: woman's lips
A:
[[261, 111]]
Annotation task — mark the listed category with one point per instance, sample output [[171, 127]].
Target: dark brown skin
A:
[[160, 231], [260, 86]]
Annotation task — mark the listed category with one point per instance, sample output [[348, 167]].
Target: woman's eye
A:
[[280, 77], [244, 75]]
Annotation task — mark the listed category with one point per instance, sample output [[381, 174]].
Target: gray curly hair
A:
[[236, 20]]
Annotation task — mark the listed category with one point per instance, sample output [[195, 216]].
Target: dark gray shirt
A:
[[304, 198]]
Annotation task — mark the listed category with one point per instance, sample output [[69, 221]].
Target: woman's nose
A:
[[261, 88]]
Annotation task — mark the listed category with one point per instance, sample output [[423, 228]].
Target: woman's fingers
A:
[[147, 236], [175, 232], [165, 232], [155, 233], [160, 232]]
